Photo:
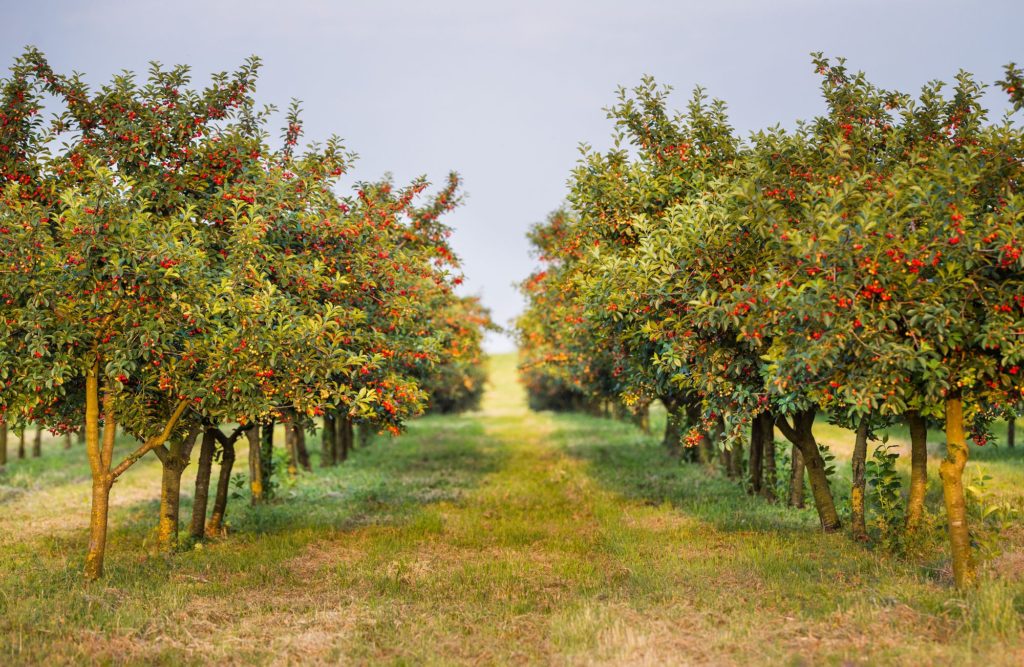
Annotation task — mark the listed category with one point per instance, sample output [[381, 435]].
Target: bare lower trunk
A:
[[736, 460], [67, 441], [918, 469], [365, 434], [37, 443], [252, 434], [756, 452], [642, 418], [673, 438], [768, 456], [860, 451], [343, 424], [951, 471], [3, 444], [174, 459], [202, 491], [170, 502], [98, 527], [21, 444], [300, 448], [816, 475], [328, 448], [267, 457], [796, 478], [291, 447], [220, 501]]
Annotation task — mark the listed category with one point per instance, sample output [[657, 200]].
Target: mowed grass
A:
[[501, 536]]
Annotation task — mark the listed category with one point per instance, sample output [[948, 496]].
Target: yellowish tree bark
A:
[[951, 471]]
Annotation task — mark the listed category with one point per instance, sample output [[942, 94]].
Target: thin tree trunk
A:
[[796, 478], [252, 434], [220, 501], [342, 436], [328, 449], [202, 491], [365, 434], [67, 440], [3, 443], [100, 460], [80, 435], [815, 466], [98, 527], [860, 452], [174, 459], [291, 447], [918, 468], [350, 435], [756, 450], [267, 458], [951, 471], [736, 460], [101, 481], [673, 438], [768, 456], [37, 443], [21, 444], [300, 447]]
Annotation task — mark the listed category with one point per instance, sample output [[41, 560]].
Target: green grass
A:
[[501, 536]]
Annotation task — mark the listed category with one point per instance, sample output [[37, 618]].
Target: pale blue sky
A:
[[504, 92]]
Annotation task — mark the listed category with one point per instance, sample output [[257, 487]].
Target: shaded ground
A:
[[502, 536]]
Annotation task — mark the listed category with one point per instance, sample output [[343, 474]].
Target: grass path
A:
[[504, 536]]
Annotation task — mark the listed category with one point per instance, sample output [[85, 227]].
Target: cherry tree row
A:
[[167, 268], [866, 264]]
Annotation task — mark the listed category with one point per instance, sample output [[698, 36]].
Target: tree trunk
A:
[[951, 471], [918, 468], [858, 524], [98, 527], [291, 447], [267, 458], [768, 456], [67, 440], [101, 479], [756, 451], [365, 434], [1011, 431], [642, 418], [350, 435], [3, 444], [301, 449], [736, 460], [328, 449], [341, 424], [174, 459], [252, 434], [673, 438], [815, 466], [220, 500], [37, 443], [796, 478], [21, 444], [81, 436], [202, 492]]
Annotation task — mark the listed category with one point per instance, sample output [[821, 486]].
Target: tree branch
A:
[[152, 443]]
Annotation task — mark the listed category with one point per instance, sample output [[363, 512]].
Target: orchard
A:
[[168, 272], [761, 408], [864, 269]]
